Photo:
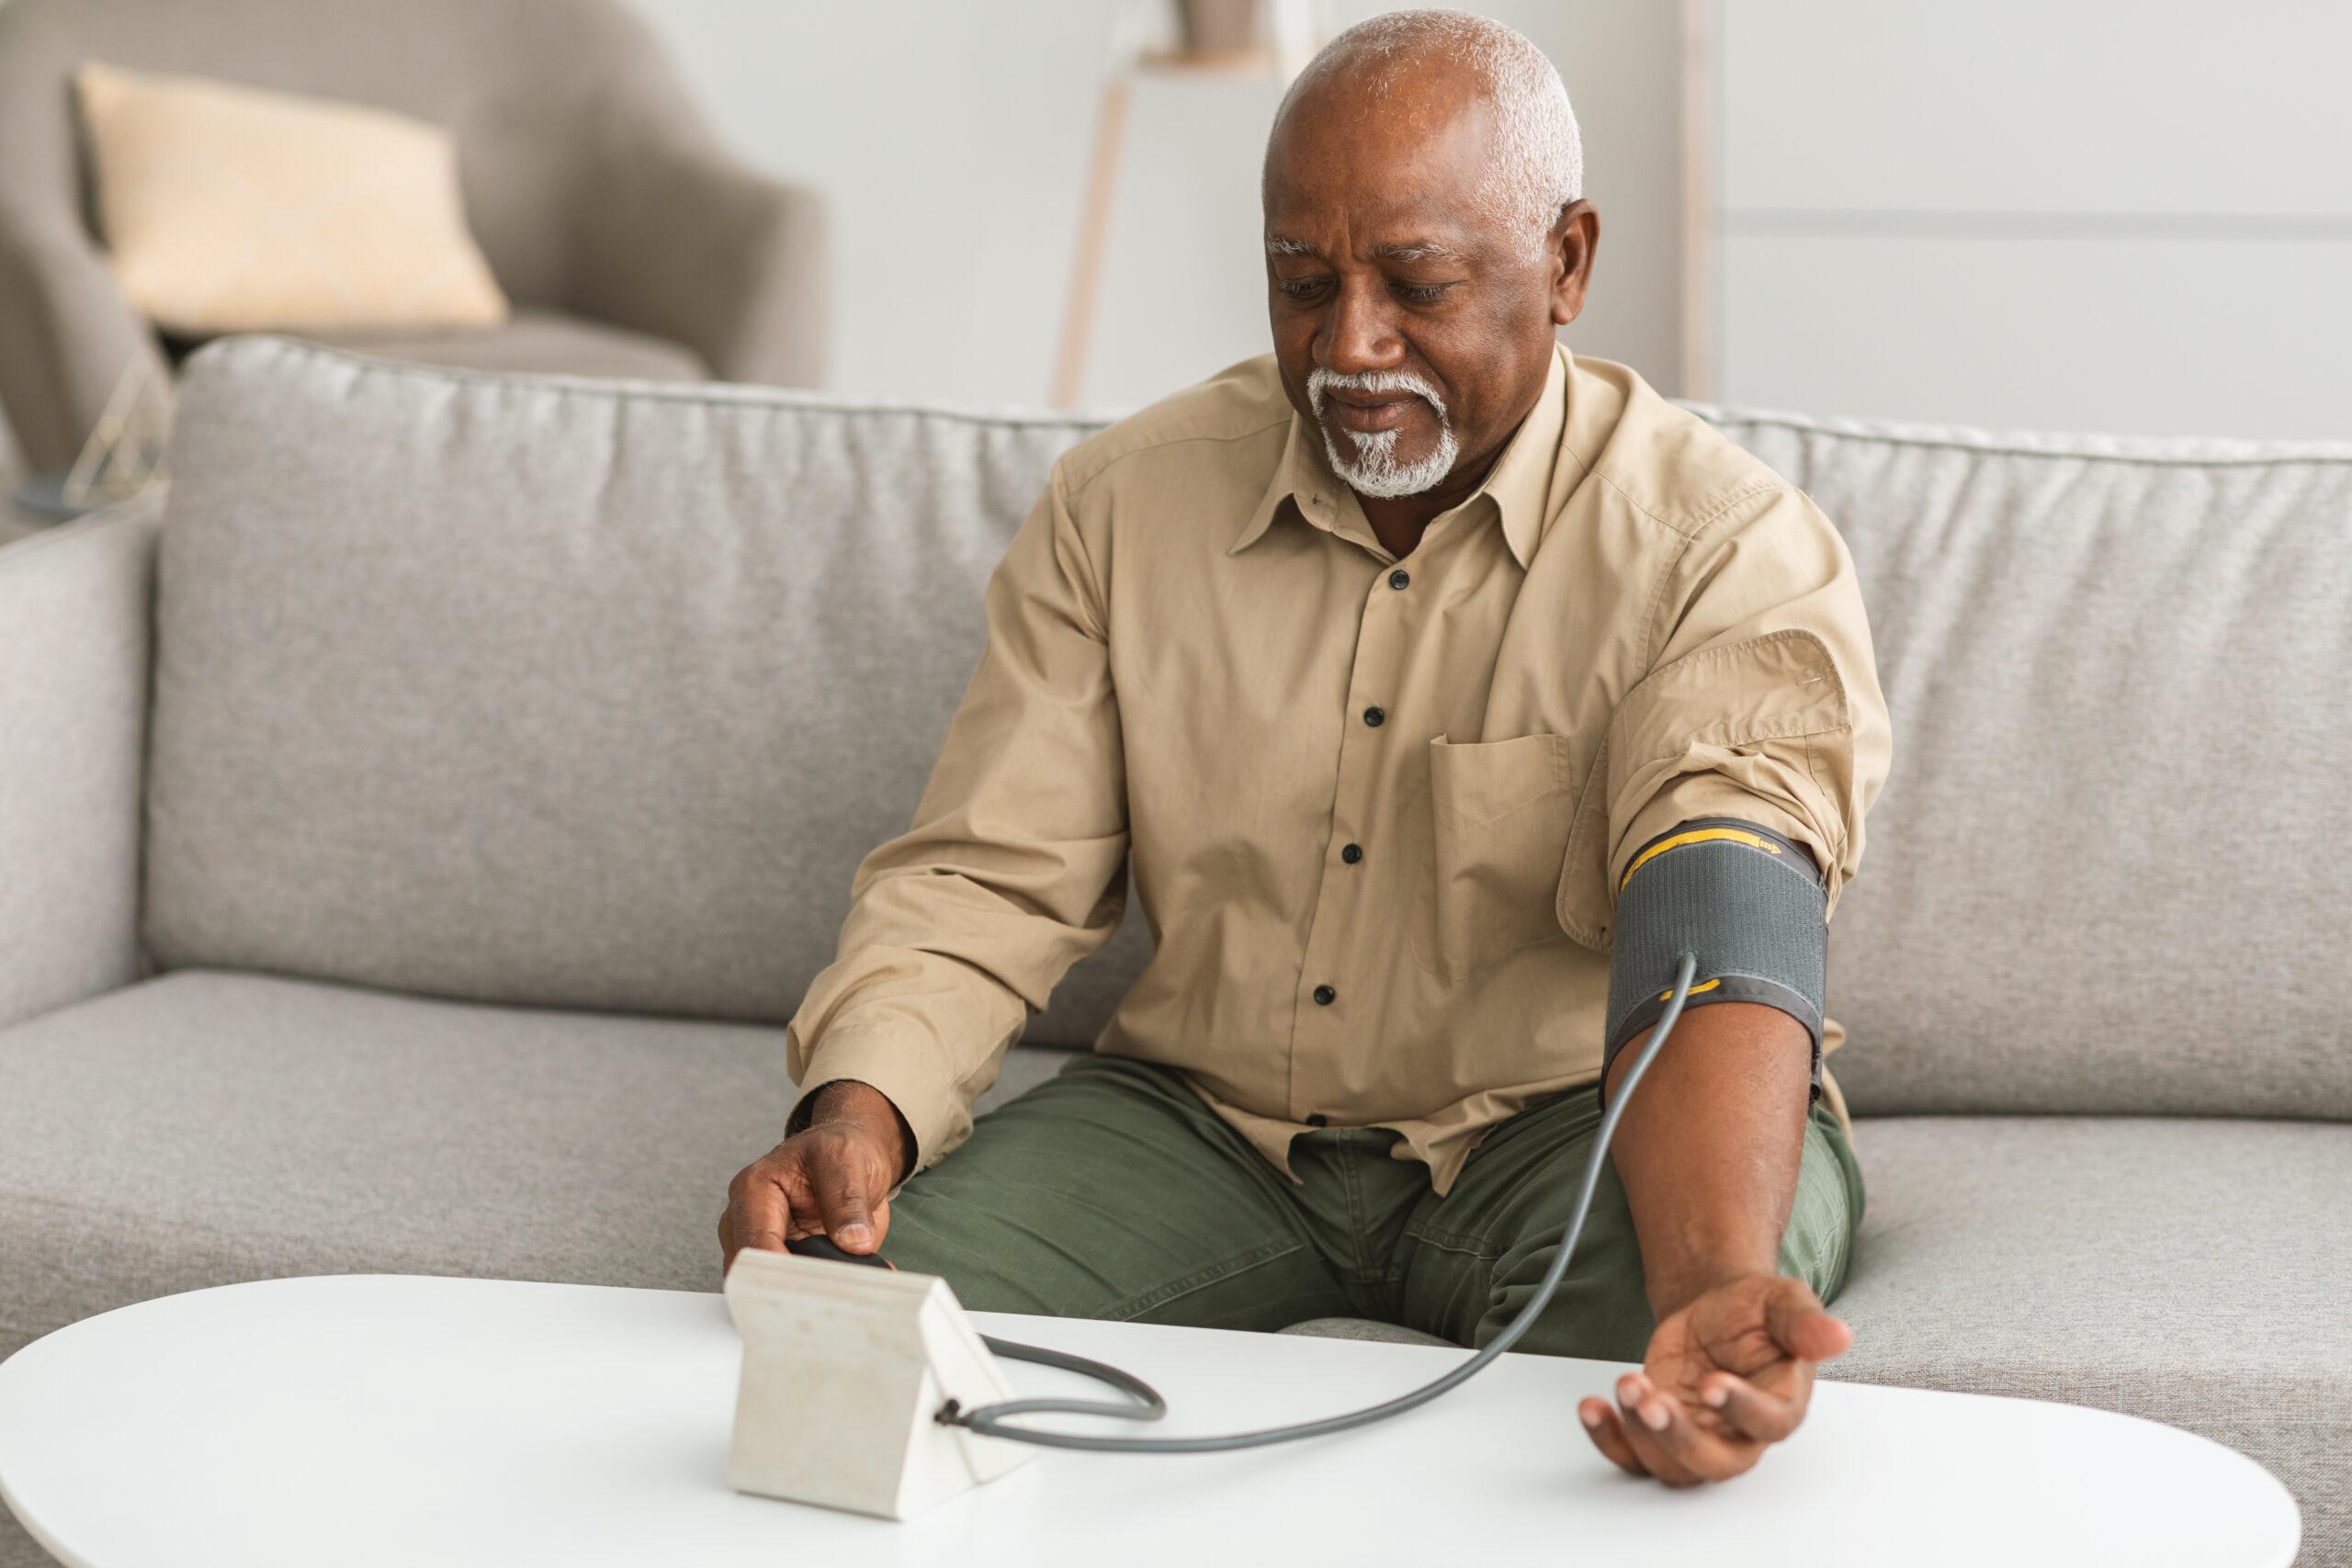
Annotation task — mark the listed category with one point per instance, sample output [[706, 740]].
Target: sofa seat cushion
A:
[[1364, 1328], [207, 1127], [2193, 1271], [535, 339]]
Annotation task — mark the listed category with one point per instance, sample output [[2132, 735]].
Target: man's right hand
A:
[[831, 1178]]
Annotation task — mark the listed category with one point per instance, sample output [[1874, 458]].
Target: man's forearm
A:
[[1709, 1146]]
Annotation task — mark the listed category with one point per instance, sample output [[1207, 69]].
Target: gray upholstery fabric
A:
[[681, 240], [591, 696], [2103, 877], [590, 179], [1364, 1328], [1026, 1067], [202, 1127], [540, 340], [199, 1129], [551, 693], [2192, 1271], [2189, 1271], [67, 336], [73, 653]]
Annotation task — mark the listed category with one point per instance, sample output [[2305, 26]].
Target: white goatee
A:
[[1372, 468]]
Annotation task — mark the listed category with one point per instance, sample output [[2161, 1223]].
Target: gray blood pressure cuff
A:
[[1746, 902]]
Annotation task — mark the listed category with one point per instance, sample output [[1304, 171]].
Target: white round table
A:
[[383, 1420]]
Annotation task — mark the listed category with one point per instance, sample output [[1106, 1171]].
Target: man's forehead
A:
[[1390, 189]]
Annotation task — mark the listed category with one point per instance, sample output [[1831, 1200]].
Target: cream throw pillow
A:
[[228, 208]]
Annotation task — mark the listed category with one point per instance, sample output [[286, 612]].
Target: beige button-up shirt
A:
[[1376, 808]]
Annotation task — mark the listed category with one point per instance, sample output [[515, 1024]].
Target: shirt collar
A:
[[1519, 483]]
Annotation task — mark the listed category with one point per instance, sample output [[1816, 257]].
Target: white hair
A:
[[1539, 158], [1371, 467]]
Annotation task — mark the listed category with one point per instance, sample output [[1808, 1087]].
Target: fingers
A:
[[1704, 1422], [845, 1204], [1601, 1423], [762, 1217], [1796, 1318], [1661, 1436], [759, 1211], [1749, 1410], [820, 1182]]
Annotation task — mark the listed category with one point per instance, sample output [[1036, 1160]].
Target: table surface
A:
[[388, 1420]]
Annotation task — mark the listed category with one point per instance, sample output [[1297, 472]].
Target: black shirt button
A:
[[1351, 854], [1325, 996], [1374, 716], [1399, 578], [1319, 1120]]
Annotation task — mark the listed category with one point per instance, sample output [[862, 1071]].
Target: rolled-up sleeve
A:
[[1763, 701], [1015, 867]]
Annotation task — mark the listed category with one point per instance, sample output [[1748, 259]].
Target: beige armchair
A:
[[629, 242]]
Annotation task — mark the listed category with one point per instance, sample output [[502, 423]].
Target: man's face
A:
[[1412, 329]]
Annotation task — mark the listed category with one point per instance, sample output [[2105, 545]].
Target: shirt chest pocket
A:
[[1498, 813]]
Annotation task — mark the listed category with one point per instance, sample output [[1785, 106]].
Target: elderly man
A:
[[1444, 688]]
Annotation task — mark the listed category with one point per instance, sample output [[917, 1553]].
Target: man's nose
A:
[[1359, 334]]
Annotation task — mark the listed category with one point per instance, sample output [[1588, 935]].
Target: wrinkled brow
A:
[[1402, 250], [1417, 251]]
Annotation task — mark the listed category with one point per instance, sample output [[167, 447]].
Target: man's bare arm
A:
[[1708, 1151], [1708, 1148]]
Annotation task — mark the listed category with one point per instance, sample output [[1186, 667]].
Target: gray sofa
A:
[[419, 824], [630, 242]]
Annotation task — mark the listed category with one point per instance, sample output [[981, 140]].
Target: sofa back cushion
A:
[[581, 694], [2107, 873], [555, 691]]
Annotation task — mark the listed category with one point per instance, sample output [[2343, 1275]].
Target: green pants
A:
[[1110, 1191]]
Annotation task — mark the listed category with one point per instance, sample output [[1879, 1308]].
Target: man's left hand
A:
[[1727, 1375]]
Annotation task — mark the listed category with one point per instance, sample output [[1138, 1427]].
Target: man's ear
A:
[[1576, 235]]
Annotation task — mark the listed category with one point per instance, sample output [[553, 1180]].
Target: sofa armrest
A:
[[75, 635], [67, 334], [678, 239]]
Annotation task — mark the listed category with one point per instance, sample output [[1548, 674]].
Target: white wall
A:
[[2131, 216], [952, 139]]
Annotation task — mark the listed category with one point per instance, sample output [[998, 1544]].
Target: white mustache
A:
[[1319, 381], [1370, 465]]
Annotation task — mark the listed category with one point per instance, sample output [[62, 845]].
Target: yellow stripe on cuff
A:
[[1668, 994], [1696, 836]]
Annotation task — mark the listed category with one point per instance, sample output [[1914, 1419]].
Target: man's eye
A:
[[1422, 293], [1301, 288]]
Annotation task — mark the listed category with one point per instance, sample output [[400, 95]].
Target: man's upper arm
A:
[[1738, 773], [1763, 701], [1014, 868]]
